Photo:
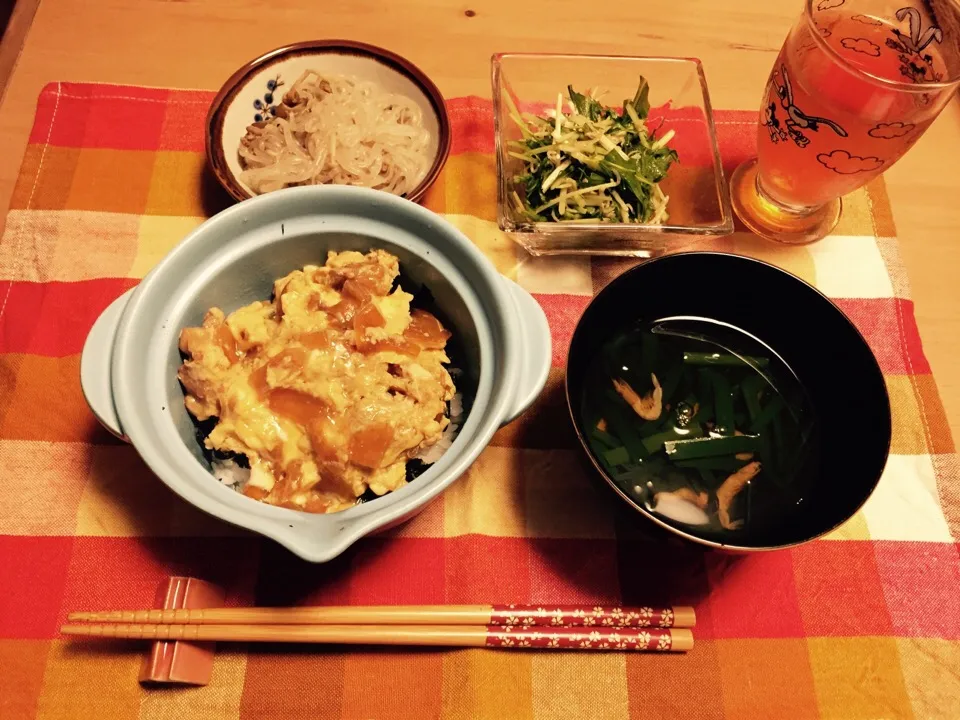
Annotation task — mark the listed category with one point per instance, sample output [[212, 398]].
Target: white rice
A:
[[230, 473]]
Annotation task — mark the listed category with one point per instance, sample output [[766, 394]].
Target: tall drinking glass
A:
[[856, 84]]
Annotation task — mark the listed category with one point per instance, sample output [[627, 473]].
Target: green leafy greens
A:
[[592, 164]]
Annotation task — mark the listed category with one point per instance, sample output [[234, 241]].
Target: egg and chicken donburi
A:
[[327, 391]]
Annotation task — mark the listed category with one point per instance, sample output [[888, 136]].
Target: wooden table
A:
[[197, 45]]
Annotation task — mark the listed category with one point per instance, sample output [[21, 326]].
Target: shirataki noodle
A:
[[340, 130]]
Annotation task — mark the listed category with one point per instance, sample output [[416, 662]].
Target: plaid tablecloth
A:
[[862, 624]]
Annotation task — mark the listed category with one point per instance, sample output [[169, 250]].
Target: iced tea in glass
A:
[[855, 85]]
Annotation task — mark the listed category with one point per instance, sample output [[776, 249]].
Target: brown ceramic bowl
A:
[[246, 97]]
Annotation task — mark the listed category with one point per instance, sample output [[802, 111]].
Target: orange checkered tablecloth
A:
[[864, 623]]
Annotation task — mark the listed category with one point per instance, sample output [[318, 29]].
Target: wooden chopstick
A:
[[575, 638], [497, 615]]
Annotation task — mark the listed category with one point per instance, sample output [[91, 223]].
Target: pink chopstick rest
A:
[[181, 662]]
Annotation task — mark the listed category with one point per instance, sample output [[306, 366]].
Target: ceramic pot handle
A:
[[96, 361], [535, 350]]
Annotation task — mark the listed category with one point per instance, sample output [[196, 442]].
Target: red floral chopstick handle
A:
[[642, 640], [525, 616]]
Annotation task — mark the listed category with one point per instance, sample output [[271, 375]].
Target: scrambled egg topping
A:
[[327, 390]]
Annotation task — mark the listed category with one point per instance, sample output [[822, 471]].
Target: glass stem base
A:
[[773, 221]]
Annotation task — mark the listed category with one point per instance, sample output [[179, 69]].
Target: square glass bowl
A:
[[699, 203]]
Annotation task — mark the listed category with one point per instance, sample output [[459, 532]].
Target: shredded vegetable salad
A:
[[591, 164]]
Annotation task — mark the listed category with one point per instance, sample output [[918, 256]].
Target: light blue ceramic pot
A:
[[130, 359]]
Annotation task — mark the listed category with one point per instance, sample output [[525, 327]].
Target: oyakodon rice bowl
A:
[[335, 391], [131, 356]]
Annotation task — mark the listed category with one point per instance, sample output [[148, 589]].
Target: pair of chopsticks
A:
[[645, 629]]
